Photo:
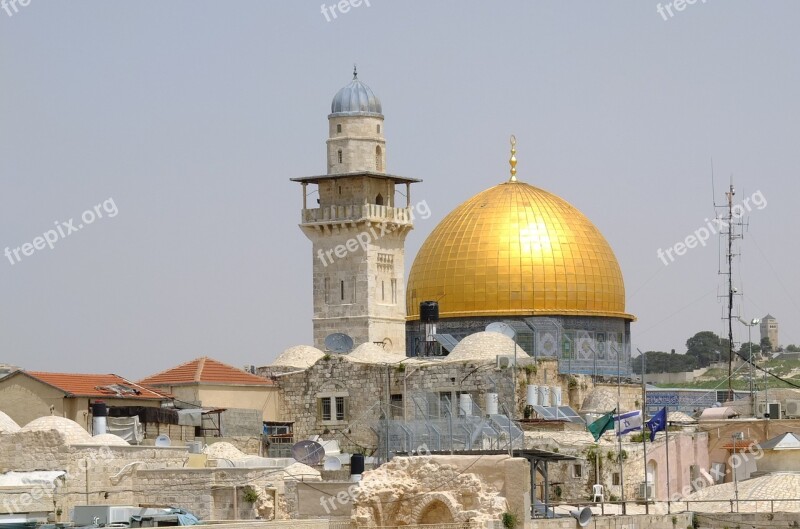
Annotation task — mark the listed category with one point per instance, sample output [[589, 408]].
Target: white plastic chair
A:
[[597, 492]]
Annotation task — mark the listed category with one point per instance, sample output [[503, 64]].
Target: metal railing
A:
[[357, 212]]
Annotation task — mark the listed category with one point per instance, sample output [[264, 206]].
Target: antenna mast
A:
[[730, 233]]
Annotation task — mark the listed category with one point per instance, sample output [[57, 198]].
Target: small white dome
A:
[[369, 352], [485, 346], [600, 401], [299, 356], [7, 424], [301, 472], [109, 439], [72, 431]]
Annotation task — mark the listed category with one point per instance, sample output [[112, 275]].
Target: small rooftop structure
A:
[[722, 412], [73, 432]]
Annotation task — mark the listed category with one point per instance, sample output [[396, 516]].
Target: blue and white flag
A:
[[657, 423], [628, 422]]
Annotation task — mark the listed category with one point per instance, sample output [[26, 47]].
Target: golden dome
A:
[[516, 250]]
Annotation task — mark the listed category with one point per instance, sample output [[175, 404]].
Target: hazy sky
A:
[[192, 116]]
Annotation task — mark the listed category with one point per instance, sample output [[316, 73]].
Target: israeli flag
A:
[[628, 422]]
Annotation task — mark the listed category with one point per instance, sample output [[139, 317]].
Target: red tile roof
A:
[[205, 370], [96, 386]]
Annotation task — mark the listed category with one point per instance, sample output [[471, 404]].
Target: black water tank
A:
[[429, 311], [356, 464], [99, 409]]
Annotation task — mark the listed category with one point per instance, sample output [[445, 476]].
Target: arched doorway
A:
[[379, 199], [434, 513]]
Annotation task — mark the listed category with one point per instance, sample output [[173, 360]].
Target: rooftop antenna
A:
[[730, 230]]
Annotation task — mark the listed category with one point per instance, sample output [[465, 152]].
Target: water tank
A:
[[555, 395], [99, 417], [429, 311], [544, 395], [491, 403], [532, 397], [357, 464], [465, 404]]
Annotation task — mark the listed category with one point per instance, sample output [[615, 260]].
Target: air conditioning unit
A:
[[774, 410], [504, 362], [645, 491], [792, 409]]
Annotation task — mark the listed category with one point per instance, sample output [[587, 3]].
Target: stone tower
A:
[[357, 232], [769, 329]]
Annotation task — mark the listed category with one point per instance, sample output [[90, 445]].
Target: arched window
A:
[[338, 127], [340, 156], [379, 199], [379, 128], [378, 159]]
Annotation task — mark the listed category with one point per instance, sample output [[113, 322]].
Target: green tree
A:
[[661, 362], [704, 347], [744, 350], [766, 345], [792, 348]]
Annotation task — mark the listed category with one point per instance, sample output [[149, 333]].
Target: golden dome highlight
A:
[[516, 250]]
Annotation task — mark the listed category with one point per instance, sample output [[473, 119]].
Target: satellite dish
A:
[[502, 328], [332, 463], [308, 452], [338, 343], [163, 440]]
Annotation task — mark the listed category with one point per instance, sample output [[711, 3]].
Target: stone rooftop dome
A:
[[356, 99], [72, 431], [299, 356], [109, 439], [373, 353], [599, 400], [517, 250], [778, 486], [7, 424], [484, 347]]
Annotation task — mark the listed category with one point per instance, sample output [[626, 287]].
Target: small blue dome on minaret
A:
[[356, 99]]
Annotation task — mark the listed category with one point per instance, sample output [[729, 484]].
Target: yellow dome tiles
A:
[[516, 250]]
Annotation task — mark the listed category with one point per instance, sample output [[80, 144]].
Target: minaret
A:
[[357, 233]]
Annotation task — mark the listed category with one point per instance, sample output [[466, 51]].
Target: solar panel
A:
[[447, 341], [559, 413]]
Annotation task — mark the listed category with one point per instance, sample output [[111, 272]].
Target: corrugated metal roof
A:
[[205, 370], [96, 386]]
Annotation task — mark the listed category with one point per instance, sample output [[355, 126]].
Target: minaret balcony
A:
[[357, 213]]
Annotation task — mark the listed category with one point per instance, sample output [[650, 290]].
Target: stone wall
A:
[[369, 385], [675, 521]]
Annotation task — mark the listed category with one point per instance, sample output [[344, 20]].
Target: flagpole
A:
[[666, 431], [619, 440], [644, 441]]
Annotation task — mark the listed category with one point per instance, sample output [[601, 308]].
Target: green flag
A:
[[603, 424]]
